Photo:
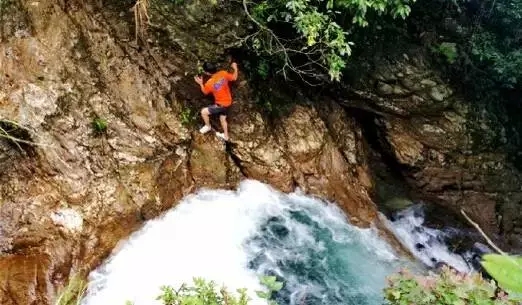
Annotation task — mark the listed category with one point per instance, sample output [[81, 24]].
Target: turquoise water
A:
[[234, 237], [320, 257]]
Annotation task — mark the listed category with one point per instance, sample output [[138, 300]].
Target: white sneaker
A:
[[221, 136], [205, 129]]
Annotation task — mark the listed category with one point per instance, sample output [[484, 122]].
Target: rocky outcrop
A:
[[68, 199], [301, 151], [447, 152]]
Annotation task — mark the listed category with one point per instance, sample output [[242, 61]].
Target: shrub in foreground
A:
[[203, 292], [447, 288]]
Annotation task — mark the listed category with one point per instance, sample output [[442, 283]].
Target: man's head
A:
[[209, 68]]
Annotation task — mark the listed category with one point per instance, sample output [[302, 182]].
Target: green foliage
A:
[[72, 293], [272, 285], [187, 116], [266, 105], [448, 50], [502, 62], [203, 292], [263, 69], [496, 41], [506, 270], [322, 29], [447, 288], [487, 36], [99, 125]]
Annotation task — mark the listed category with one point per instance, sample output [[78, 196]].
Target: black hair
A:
[[209, 67]]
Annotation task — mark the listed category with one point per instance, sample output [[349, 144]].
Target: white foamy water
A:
[[408, 226], [233, 237], [201, 237]]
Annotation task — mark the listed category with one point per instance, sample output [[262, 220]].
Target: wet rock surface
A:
[[68, 201]]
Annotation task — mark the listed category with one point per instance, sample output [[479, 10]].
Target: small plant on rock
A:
[[448, 50], [72, 294], [99, 125], [187, 117]]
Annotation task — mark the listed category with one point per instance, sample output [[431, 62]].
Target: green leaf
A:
[[271, 283], [277, 286], [263, 294], [99, 124], [506, 270], [329, 4], [268, 280]]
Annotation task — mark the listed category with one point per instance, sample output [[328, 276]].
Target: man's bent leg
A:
[[224, 124], [205, 115]]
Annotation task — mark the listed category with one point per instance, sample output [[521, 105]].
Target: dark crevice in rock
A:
[[189, 164], [498, 213], [388, 173], [235, 159], [393, 190]]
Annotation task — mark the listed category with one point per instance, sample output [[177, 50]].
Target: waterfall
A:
[[428, 245], [234, 237]]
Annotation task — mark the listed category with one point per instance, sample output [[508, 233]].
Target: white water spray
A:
[[425, 243]]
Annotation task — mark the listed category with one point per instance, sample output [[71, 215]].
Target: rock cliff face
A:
[[446, 152], [66, 202]]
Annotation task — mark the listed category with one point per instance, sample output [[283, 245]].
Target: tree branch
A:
[[7, 135], [488, 240], [281, 48]]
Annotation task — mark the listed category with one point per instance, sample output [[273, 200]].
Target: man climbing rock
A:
[[218, 86]]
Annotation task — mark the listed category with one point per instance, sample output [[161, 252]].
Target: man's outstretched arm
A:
[[233, 75]]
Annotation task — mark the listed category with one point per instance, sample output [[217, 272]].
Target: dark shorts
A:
[[216, 109]]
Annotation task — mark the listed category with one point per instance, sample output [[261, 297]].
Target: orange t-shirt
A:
[[218, 86]]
